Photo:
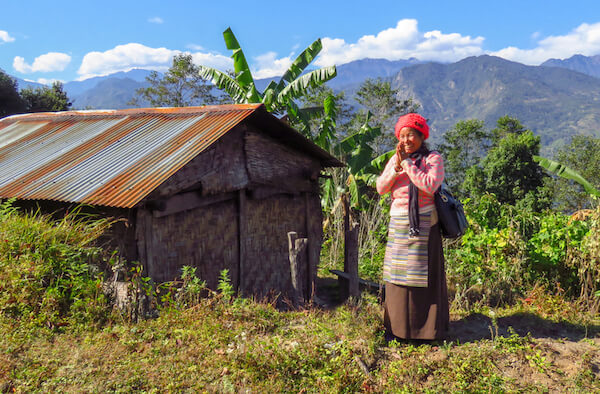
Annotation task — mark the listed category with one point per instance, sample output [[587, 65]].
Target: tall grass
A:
[[50, 270]]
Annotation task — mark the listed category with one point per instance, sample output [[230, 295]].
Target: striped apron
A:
[[405, 261]]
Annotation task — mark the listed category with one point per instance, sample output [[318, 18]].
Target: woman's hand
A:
[[401, 155]]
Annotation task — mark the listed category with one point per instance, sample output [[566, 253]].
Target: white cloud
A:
[[401, 42], [583, 40], [157, 19], [217, 61], [48, 81], [51, 61], [133, 55], [267, 65], [124, 58], [5, 37]]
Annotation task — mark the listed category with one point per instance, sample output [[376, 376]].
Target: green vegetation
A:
[[279, 96], [58, 330], [180, 86], [30, 100]]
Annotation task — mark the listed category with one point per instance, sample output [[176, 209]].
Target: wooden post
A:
[[350, 251], [314, 228], [241, 240], [297, 250]]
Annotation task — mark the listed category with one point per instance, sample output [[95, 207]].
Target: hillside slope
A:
[[554, 102]]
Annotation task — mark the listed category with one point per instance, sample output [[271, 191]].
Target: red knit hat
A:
[[414, 121]]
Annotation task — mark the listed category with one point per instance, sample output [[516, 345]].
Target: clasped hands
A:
[[401, 155]]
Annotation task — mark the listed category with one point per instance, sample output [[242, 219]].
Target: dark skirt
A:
[[420, 312]]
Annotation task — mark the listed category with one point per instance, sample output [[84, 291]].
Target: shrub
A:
[[49, 271]]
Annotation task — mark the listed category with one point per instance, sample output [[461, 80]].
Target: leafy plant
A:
[[279, 96], [567, 173], [49, 271], [225, 286]]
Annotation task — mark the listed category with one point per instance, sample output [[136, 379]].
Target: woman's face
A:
[[410, 139]]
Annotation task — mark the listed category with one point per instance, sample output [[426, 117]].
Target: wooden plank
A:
[[363, 282], [297, 256], [261, 191], [187, 201], [313, 233], [350, 249], [140, 236], [242, 230], [148, 244]]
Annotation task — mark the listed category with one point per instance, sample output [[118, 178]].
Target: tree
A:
[[181, 86], [510, 172], [383, 102], [278, 97], [46, 99], [463, 147], [10, 100], [504, 126]]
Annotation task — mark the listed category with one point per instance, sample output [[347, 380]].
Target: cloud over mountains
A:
[[402, 41]]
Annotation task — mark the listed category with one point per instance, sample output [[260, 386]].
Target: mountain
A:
[[553, 102], [108, 93], [589, 65], [22, 84], [352, 74], [76, 88]]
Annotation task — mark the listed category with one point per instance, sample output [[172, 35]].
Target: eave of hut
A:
[[117, 157]]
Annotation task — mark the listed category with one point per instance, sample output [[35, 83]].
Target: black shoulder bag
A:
[[451, 215]]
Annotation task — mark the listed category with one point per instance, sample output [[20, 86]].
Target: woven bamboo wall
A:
[[266, 266], [272, 163], [218, 169], [205, 237]]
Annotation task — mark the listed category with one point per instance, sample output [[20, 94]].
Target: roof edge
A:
[[134, 111]]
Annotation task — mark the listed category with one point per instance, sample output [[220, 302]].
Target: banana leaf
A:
[[240, 66], [224, 82], [269, 95], [298, 87], [300, 63], [567, 173]]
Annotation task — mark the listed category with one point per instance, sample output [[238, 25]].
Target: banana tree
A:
[[278, 97], [363, 168], [567, 173]]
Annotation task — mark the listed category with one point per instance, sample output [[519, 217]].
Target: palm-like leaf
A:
[[567, 173], [300, 63], [224, 82], [297, 87], [240, 66]]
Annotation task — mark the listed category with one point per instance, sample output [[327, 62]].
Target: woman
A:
[[416, 297]]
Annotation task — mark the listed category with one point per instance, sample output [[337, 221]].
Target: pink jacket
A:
[[428, 177]]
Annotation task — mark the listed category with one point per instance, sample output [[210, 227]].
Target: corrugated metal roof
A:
[[112, 158]]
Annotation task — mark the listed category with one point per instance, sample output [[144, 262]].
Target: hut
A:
[[214, 187]]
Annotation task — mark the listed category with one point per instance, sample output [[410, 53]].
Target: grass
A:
[[57, 333], [221, 346]]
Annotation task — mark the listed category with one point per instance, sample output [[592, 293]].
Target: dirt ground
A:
[[565, 348]]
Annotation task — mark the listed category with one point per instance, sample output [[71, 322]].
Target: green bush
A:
[[506, 251], [49, 273]]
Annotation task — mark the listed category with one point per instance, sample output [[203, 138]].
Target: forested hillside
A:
[[555, 103]]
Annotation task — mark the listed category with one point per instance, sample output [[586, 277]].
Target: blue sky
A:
[[73, 40]]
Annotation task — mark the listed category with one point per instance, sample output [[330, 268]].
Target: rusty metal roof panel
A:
[[112, 158]]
